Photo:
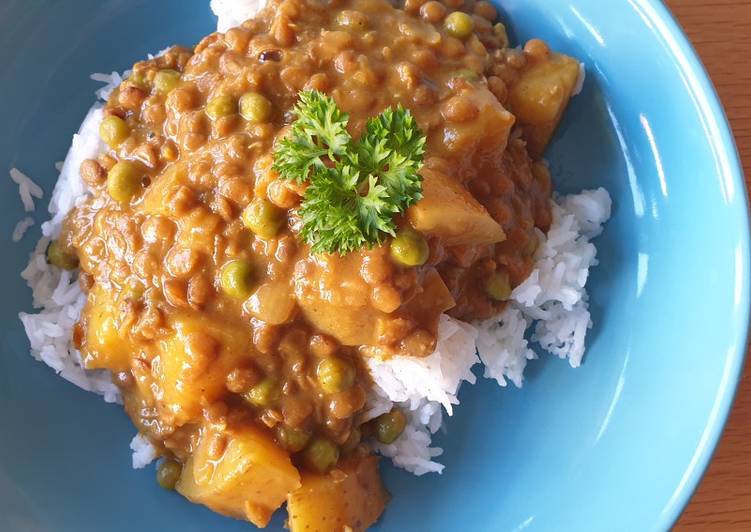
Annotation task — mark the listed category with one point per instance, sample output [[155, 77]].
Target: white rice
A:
[[549, 309], [553, 298], [21, 227], [143, 451], [503, 348], [551, 303], [59, 299], [412, 450], [436, 377], [579, 86], [56, 293], [111, 82], [27, 189], [422, 387], [231, 13], [70, 189]]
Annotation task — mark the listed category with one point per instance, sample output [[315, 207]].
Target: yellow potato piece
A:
[[106, 348], [539, 98], [480, 140], [249, 480], [192, 365], [355, 325], [350, 326], [157, 196], [349, 498], [450, 212], [348, 318]]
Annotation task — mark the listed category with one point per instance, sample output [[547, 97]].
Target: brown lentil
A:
[[433, 11]]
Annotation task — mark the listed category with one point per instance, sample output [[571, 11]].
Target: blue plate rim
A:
[[722, 142]]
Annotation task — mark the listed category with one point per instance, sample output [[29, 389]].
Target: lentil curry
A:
[[239, 352]]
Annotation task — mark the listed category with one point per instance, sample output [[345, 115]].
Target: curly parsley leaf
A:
[[354, 188], [338, 217], [392, 148], [319, 131]]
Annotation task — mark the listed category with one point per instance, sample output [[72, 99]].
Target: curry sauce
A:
[[240, 352]]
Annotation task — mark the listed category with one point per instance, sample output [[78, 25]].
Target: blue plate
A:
[[619, 444]]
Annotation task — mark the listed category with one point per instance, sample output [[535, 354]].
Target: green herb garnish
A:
[[355, 187]]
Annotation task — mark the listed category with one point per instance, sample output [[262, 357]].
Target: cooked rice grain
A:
[[21, 227]]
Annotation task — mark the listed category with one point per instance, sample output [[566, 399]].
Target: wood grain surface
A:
[[721, 33]]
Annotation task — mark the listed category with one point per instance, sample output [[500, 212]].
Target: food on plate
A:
[[289, 239]]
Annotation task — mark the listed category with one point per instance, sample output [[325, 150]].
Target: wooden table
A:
[[720, 31]]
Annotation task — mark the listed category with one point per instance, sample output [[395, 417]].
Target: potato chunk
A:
[[349, 325], [335, 300], [158, 197], [192, 365], [475, 140], [540, 97], [249, 480], [450, 212], [106, 347], [352, 496]]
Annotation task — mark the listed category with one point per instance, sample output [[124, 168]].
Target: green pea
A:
[[389, 426], [166, 80], [255, 107], [58, 257], [497, 286], [409, 248], [335, 375], [292, 439], [459, 25], [353, 440], [264, 393], [220, 106], [263, 218], [124, 181], [321, 455], [168, 473], [113, 130], [236, 279]]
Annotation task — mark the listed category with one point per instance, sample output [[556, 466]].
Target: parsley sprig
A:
[[355, 187]]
